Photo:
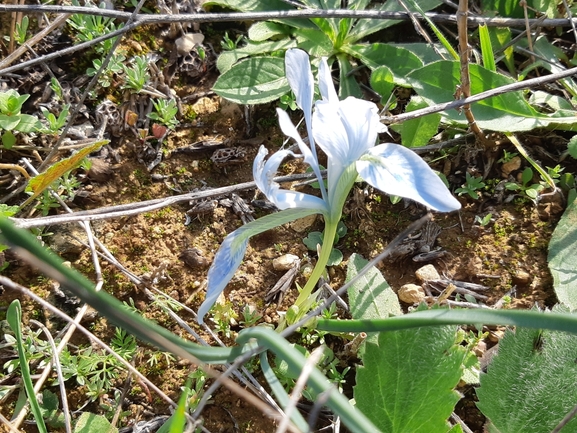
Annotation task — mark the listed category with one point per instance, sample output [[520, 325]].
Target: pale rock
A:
[[522, 277], [512, 165], [427, 273], [186, 43], [411, 294], [302, 224], [285, 262]]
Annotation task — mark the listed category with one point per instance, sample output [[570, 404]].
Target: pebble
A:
[[194, 258], [412, 294], [522, 277], [285, 262], [303, 224], [512, 165], [427, 273]]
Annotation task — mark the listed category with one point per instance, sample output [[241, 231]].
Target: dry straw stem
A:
[[144, 206], [465, 87]]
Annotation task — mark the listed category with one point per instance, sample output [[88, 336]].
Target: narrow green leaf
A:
[[417, 132], [563, 258], [43, 180], [407, 381], [14, 319], [530, 384], [487, 49], [371, 297], [253, 81]]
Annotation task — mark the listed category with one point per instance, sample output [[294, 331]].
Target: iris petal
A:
[[397, 170], [264, 173], [229, 257]]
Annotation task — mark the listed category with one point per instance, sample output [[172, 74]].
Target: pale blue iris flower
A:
[[347, 132]]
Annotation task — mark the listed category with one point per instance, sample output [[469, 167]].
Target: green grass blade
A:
[[14, 316], [30, 250], [487, 49]]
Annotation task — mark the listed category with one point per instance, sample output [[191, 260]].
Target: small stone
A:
[[512, 165], [411, 294], [194, 258], [522, 277], [186, 43], [285, 262], [303, 224], [427, 273]]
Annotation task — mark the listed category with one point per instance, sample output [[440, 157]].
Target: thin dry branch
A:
[[533, 82], [465, 87], [260, 16], [144, 206]]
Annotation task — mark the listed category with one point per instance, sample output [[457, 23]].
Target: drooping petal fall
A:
[[399, 171]]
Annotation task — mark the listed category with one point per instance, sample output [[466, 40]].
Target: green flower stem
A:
[[356, 421], [443, 316], [328, 240]]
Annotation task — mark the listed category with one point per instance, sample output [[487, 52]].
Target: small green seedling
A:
[[20, 31], [471, 185], [507, 156], [484, 220], [315, 239], [137, 75], [530, 190], [228, 44], [11, 119], [55, 123], [165, 112]]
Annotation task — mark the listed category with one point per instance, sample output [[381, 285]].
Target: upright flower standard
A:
[[347, 132]]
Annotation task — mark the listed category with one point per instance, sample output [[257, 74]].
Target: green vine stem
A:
[[442, 316]]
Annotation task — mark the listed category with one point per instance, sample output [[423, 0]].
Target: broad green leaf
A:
[[314, 42], [504, 8], [9, 122], [42, 181], [250, 5], [264, 30], [418, 132], [371, 297], [437, 82], [383, 82], [229, 58], [335, 258], [365, 27], [500, 37], [8, 140], [27, 123], [554, 102], [92, 423], [572, 146], [406, 383], [424, 52], [552, 56], [399, 60], [253, 81], [563, 258], [530, 384]]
